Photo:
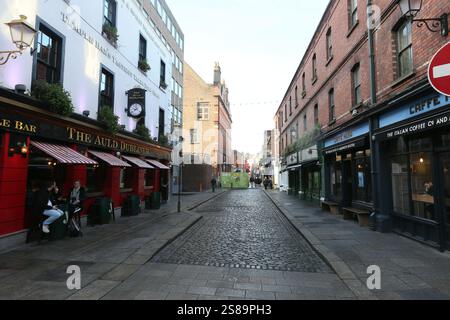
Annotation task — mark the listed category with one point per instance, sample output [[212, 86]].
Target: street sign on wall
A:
[[439, 70]]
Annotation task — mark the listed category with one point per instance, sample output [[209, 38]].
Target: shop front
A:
[[310, 176], [38, 146], [347, 168], [414, 139], [293, 170]]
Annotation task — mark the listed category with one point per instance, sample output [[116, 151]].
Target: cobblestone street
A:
[[243, 229]]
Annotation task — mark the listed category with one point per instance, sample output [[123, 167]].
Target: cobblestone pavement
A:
[[243, 229]]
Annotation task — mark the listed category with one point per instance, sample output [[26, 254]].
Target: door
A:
[[445, 203]]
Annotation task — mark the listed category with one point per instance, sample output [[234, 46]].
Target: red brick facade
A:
[[350, 47]]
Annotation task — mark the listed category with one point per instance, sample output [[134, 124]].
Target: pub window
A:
[[109, 12], [202, 111], [400, 189], [126, 178], [331, 105], [49, 56], [150, 178], [404, 49], [106, 89], [353, 12], [95, 178], [356, 85]]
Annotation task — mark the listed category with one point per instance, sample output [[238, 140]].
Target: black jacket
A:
[[82, 196], [40, 202]]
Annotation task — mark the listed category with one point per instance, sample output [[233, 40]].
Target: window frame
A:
[[331, 106], [404, 23], [112, 21], [356, 87], [201, 114], [107, 72]]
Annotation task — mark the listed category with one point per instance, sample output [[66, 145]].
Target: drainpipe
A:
[[379, 220], [373, 101]]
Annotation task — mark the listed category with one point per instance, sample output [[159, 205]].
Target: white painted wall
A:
[[85, 53]]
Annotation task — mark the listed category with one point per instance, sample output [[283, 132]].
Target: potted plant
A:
[[54, 96], [143, 65], [111, 33], [109, 119], [143, 131]]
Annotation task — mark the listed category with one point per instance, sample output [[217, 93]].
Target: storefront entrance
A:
[[420, 183]]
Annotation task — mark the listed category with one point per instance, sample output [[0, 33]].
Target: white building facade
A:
[[72, 48]]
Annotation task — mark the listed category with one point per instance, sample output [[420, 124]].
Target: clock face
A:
[[136, 110]]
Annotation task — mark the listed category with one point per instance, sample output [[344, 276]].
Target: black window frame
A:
[[110, 12], [54, 34], [356, 87], [142, 48], [102, 97]]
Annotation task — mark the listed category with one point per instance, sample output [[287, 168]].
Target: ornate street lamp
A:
[[411, 8], [22, 35]]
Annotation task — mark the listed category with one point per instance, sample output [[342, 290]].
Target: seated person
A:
[[46, 201], [76, 197]]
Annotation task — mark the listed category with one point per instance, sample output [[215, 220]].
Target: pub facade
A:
[[75, 47]]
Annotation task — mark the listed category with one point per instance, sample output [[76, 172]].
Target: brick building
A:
[[358, 143], [207, 129]]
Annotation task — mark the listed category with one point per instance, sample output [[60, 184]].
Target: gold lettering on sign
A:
[[19, 125], [5, 123]]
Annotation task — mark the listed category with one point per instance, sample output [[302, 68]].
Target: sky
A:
[[259, 45]]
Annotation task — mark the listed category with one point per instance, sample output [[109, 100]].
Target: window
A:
[[363, 178], [316, 114], [329, 45], [95, 178], [331, 105], [163, 75], [194, 136], [353, 12], [142, 48], [285, 113], [314, 68], [296, 97], [336, 178], [290, 106], [202, 111], [109, 12], [150, 178], [126, 178], [305, 123], [400, 189], [404, 50], [303, 85], [49, 56], [356, 84], [106, 89]]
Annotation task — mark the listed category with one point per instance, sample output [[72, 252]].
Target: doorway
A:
[[444, 170]]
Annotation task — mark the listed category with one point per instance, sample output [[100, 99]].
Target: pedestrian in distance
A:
[[213, 184]]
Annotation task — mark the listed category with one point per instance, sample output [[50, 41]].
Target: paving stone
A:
[[201, 290], [260, 295], [276, 288], [121, 272], [94, 291], [233, 293]]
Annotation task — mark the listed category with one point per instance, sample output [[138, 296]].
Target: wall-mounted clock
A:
[[136, 110]]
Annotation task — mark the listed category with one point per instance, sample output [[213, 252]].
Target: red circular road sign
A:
[[439, 70]]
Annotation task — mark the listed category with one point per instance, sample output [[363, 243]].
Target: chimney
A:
[[217, 74]]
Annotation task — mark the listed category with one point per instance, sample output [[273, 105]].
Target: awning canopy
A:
[[109, 159], [63, 154], [157, 164], [138, 162]]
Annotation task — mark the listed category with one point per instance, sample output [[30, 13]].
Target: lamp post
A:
[[411, 8], [22, 35]]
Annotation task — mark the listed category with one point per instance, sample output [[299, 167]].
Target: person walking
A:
[[213, 184]]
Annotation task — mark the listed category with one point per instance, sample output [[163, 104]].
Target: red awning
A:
[[138, 162], [109, 159], [62, 154], [157, 164]]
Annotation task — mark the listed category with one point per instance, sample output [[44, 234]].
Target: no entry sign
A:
[[439, 70]]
